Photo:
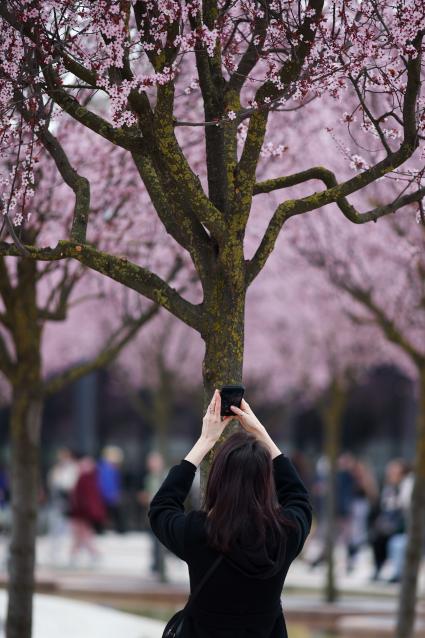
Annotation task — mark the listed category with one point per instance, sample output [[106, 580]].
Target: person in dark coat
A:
[[256, 513]]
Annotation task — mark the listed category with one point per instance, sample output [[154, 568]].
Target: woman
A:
[[256, 513]]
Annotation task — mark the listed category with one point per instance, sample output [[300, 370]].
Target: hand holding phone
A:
[[248, 420], [231, 394]]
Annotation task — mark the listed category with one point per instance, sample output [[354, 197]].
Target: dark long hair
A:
[[240, 496]]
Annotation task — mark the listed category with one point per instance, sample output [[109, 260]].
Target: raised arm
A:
[[294, 499], [166, 511], [291, 492]]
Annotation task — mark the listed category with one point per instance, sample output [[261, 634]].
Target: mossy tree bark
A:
[[223, 334], [416, 530], [25, 424]]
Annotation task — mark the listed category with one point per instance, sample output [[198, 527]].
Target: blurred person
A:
[[61, 480], [155, 474], [318, 491], [345, 486], [365, 498], [344, 493], [110, 481], [4, 487], [87, 510], [255, 519], [398, 542], [5, 514], [389, 519]]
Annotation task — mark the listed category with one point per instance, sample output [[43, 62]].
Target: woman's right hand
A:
[[248, 420]]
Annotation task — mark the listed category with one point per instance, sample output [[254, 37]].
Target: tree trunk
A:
[[416, 531], [223, 358], [25, 425], [25, 436], [333, 414]]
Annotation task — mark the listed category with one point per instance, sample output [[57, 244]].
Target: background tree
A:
[[33, 295], [389, 295]]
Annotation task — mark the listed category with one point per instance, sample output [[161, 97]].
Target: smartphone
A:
[[231, 394]]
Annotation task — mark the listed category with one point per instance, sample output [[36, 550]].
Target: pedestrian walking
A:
[[155, 466], [365, 498], [61, 480], [390, 518], [110, 482], [254, 522], [87, 510]]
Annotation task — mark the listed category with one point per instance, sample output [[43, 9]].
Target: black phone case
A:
[[231, 394]]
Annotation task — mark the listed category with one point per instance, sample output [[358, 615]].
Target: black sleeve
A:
[[166, 511], [294, 499]]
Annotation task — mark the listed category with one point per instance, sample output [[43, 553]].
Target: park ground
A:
[[117, 596]]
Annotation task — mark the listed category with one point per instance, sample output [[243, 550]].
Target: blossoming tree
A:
[[36, 360], [186, 92], [164, 68], [389, 295]]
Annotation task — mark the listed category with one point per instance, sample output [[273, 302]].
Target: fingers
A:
[[212, 402], [237, 410], [217, 404], [245, 404]]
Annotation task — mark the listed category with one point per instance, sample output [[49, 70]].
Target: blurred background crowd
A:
[[84, 496]]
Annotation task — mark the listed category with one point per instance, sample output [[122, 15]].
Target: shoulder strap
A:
[[203, 581]]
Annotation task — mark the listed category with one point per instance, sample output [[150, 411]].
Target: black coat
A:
[[241, 599]]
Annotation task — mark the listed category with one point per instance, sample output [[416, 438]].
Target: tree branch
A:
[[288, 74], [122, 270], [387, 325], [296, 207], [128, 139], [79, 184]]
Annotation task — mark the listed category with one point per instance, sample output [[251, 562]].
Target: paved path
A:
[[125, 559], [57, 617]]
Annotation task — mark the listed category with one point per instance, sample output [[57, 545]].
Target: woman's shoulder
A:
[[195, 527]]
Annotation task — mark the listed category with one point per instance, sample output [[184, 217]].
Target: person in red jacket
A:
[[87, 509], [256, 515]]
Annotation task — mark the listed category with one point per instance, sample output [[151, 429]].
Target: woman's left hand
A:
[[213, 423]]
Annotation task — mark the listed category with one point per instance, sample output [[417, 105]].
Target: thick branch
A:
[[79, 184], [338, 192], [314, 202], [288, 75], [128, 139], [122, 270], [172, 160], [172, 210]]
